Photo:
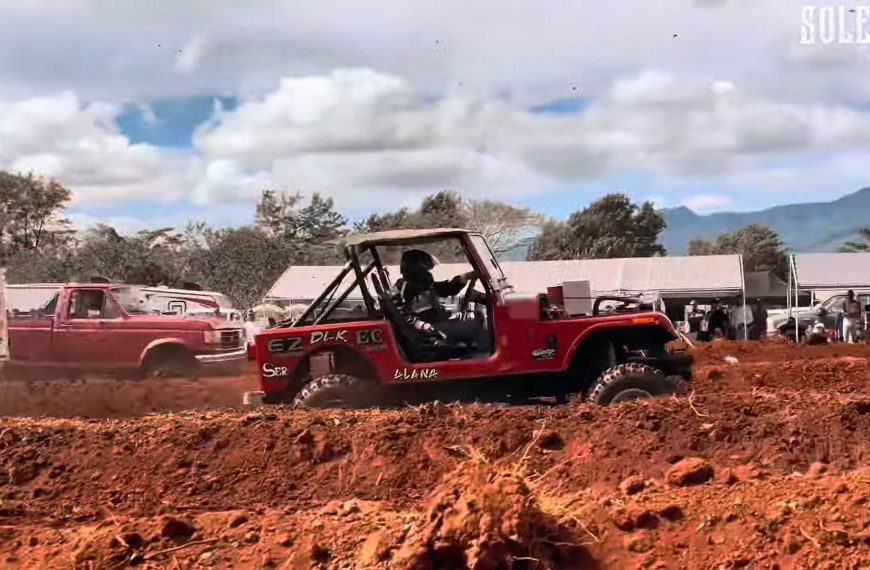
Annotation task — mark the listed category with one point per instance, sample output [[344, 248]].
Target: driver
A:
[[419, 298]]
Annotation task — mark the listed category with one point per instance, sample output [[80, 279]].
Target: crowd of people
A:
[[737, 321], [847, 323]]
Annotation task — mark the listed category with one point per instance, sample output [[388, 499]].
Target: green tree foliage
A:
[[863, 245], [612, 226], [503, 225], [29, 213], [313, 229], [760, 246], [152, 257], [239, 262]]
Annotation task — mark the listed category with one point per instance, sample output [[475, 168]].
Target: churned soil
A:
[[765, 464], [100, 397]]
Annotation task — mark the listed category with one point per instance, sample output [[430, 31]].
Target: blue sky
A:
[[178, 113]]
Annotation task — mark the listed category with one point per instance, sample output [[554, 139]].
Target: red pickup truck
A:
[[100, 327]]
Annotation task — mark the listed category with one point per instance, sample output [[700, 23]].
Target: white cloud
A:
[[80, 145], [331, 96], [353, 132], [528, 49], [707, 203], [190, 56]]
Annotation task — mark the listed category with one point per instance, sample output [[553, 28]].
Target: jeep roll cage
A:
[[357, 246]]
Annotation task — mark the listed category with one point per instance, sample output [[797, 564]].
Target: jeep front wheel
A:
[[336, 391], [627, 382]]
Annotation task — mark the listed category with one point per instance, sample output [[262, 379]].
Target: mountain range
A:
[[805, 227], [808, 227]]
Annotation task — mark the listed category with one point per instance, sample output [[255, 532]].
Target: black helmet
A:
[[417, 258], [416, 264]]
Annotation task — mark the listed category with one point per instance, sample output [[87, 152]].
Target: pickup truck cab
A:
[[110, 327]]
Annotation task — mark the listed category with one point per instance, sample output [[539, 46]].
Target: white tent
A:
[[826, 271], [674, 277]]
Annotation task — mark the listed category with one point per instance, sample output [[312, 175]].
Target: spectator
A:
[[717, 320], [851, 317], [251, 326], [695, 317], [759, 320], [741, 319]]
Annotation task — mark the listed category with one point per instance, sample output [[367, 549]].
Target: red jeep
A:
[[376, 357]]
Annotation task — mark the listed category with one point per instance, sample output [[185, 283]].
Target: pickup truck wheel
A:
[[336, 391], [170, 362], [627, 382]]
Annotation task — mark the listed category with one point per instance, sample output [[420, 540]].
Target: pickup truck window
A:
[[133, 300], [90, 304]]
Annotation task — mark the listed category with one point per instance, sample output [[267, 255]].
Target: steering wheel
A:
[[466, 299]]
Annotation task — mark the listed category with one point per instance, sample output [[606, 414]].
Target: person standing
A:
[[695, 317], [741, 318], [759, 321], [717, 320], [851, 317]]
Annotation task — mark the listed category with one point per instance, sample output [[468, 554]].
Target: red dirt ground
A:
[[765, 465]]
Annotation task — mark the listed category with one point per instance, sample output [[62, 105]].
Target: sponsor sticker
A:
[[328, 336], [369, 336], [272, 371], [544, 354], [284, 345], [415, 374]]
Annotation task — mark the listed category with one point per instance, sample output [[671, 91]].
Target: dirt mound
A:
[[484, 519], [765, 464], [841, 375], [779, 350], [80, 470]]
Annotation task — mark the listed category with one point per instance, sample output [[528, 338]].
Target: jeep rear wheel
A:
[[627, 382], [336, 391]]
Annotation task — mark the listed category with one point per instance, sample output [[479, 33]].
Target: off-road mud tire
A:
[[626, 382], [336, 391]]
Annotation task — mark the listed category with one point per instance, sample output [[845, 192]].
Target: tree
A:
[[760, 246], [29, 212], [313, 231], [239, 262], [150, 257], [500, 223], [858, 246], [503, 225], [701, 246], [612, 226]]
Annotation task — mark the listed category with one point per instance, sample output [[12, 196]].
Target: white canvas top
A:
[[832, 270]]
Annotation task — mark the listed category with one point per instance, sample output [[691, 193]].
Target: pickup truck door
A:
[[85, 334], [31, 334]]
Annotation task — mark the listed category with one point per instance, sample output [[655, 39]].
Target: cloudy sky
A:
[[166, 111]]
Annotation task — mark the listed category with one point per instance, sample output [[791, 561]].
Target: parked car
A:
[[831, 309], [109, 328]]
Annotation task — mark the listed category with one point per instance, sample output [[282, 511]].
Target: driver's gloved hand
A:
[[433, 332]]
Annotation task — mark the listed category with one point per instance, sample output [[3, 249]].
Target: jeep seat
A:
[[416, 346]]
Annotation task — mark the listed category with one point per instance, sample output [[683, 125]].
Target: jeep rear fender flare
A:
[[160, 343], [604, 327], [344, 356]]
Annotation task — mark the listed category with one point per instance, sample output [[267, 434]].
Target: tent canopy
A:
[[831, 270], [674, 277]]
